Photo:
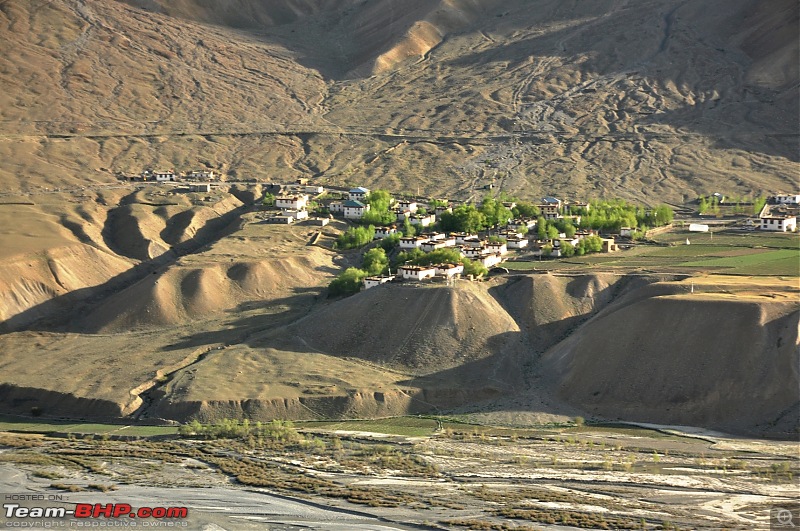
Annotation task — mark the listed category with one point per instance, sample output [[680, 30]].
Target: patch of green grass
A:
[[778, 262], [15, 424]]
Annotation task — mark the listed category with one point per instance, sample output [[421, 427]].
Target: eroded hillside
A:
[[662, 99]]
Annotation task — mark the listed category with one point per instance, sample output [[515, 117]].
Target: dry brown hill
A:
[[661, 99]]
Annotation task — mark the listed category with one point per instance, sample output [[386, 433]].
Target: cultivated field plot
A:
[[728, 252], [439, 472]]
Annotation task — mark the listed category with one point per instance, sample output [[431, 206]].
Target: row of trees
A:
[[374, 262], [615, 214]]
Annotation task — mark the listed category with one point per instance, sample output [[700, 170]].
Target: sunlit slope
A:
[[647, 100]]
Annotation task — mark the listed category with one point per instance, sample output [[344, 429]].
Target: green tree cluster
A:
[[375, 262], [347, 282], [355, 237], [494, 212], [379, 202], [524, 209], [463, 218]]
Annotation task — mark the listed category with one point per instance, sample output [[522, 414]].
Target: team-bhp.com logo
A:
[[93, 510]]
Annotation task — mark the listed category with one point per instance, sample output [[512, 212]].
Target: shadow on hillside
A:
[[728, 111], [65, 312], [243, 330]]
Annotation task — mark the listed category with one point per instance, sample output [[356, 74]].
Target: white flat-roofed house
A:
[[401, 215], [490, 260], [200, 187], [312, 189], [412, 242], [432, 245], [787, 199], [471, 241], [422, 221], [693, 227], [626, 232], [409, 272], [449, 270], [354, 209], [358, 194], [165, 176], [779, 222], [474, 252], [434, 235], [408, 205], [439, 210], [202, 175], [291, 202], [296, 214], [495, 247], [371, 282], [384, 232], [461, 236], [517, 243], [336, 207], [280, 218]]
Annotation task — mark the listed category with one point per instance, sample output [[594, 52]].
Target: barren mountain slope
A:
[[659, 99]]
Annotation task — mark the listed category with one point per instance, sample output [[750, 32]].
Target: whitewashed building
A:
[[409, 272], [449, 270], [787, 199], [384, 232], [291, 202], [496, 247], [371, 282], [358, 194], [354, 209], [165, 176], [202, 175], [432, 245], [412, 242], [490, 260], [422, 221], [779, 223], [407, 205], [296, 214], [517, 243], [336, 207]]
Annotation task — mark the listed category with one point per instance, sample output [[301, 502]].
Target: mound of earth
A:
[[421, 330], [726, 362], [185, 294]]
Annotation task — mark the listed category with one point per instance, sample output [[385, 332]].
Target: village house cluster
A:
[[780, 213]]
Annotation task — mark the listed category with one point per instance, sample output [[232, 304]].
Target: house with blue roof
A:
[[354, 209], [358, 194]]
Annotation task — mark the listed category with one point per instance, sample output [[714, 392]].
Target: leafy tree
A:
[[475, 268], [355, 237], [702, 207], [408, 256], [347, 282], [526, 210], [567, 249], [565, 226], [374, 216], [589, 244], [375, 261], [438, 203], [552, 232], [494, 212], [390, 242], [541, 227], [268, 199], [758, 204], [408, 229], [379, 200], [463, 218]]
